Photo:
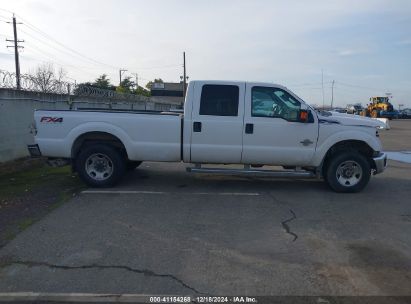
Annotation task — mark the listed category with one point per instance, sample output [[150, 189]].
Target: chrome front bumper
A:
[[380, 162]]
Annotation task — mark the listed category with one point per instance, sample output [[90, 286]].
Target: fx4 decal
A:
[[51, 119]]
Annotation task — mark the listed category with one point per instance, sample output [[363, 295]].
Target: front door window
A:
[[274, 102]]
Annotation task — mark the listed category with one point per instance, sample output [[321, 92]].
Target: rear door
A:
[[217, 122]]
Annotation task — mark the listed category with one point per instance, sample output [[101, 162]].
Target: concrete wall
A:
[[17, 109]]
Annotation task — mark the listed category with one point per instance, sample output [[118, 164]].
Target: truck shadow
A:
[[177, 180]]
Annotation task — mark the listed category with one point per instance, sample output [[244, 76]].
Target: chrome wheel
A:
[[349, 173], [99, 166]]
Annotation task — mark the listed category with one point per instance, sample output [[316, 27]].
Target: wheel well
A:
[[97, 137], [345, 145]]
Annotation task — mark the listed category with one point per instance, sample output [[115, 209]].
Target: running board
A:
[[248, 171]]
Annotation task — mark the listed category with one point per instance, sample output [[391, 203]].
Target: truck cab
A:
[[248, 123]]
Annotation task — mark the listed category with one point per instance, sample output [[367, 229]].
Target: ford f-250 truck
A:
[[224, 122]]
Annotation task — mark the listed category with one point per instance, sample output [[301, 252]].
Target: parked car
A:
[[340, 110], [224, 122], [354, 109], [405, 114]]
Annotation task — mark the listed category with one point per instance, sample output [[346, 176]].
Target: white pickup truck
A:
[[224, 122]]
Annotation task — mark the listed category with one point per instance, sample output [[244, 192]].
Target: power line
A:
[[162, 67], [69, 51], [52, 56], [47, 40], [306, 84], [53, 59], [46, 43], [36, 29], [5, 10], [357, 86]]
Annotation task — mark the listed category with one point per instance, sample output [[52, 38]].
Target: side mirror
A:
[[303, 116]]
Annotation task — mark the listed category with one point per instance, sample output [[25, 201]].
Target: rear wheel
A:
[[100, 165], [348, 172]]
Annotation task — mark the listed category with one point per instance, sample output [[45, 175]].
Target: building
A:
[[168, 92]]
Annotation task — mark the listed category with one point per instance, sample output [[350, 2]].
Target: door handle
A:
[[249, 128], [196, 126]]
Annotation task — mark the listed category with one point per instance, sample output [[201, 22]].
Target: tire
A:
[[348, 172], [132, 165], [100, 165]]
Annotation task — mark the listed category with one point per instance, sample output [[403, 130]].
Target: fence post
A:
[[69, 97]]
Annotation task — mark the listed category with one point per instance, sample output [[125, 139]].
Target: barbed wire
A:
[[32, 83], [90, 91], [38, 84]]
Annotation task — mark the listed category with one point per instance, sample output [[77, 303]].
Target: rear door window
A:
[[219, 100]]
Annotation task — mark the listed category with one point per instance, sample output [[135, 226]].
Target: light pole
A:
[[121, 74]]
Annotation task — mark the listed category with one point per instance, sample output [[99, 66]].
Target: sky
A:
[[364, 46]]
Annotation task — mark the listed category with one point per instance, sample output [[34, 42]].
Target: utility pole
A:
[[332, 93], [121, 74], [184, 75], [136, 75], [322, 86], [16, 47]]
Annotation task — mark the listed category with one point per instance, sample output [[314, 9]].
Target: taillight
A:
[[33, 128]]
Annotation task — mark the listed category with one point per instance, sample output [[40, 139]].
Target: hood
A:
[[349, 120]]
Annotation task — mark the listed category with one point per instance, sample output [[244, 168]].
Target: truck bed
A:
[[146, 135]]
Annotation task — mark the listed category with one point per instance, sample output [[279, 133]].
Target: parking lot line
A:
[[161, 192]]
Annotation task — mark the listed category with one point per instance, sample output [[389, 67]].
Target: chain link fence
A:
[[38, 84]]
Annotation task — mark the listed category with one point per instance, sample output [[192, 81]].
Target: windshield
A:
[[381, 99]]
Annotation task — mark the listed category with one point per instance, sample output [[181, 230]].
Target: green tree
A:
[[103, 82], [142, 91], [126, 85]]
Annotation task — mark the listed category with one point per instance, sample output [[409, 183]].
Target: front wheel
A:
[[348, 172], [100, 165]]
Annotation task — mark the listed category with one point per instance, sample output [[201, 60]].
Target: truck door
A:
[[217, 122], [273, 133]]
